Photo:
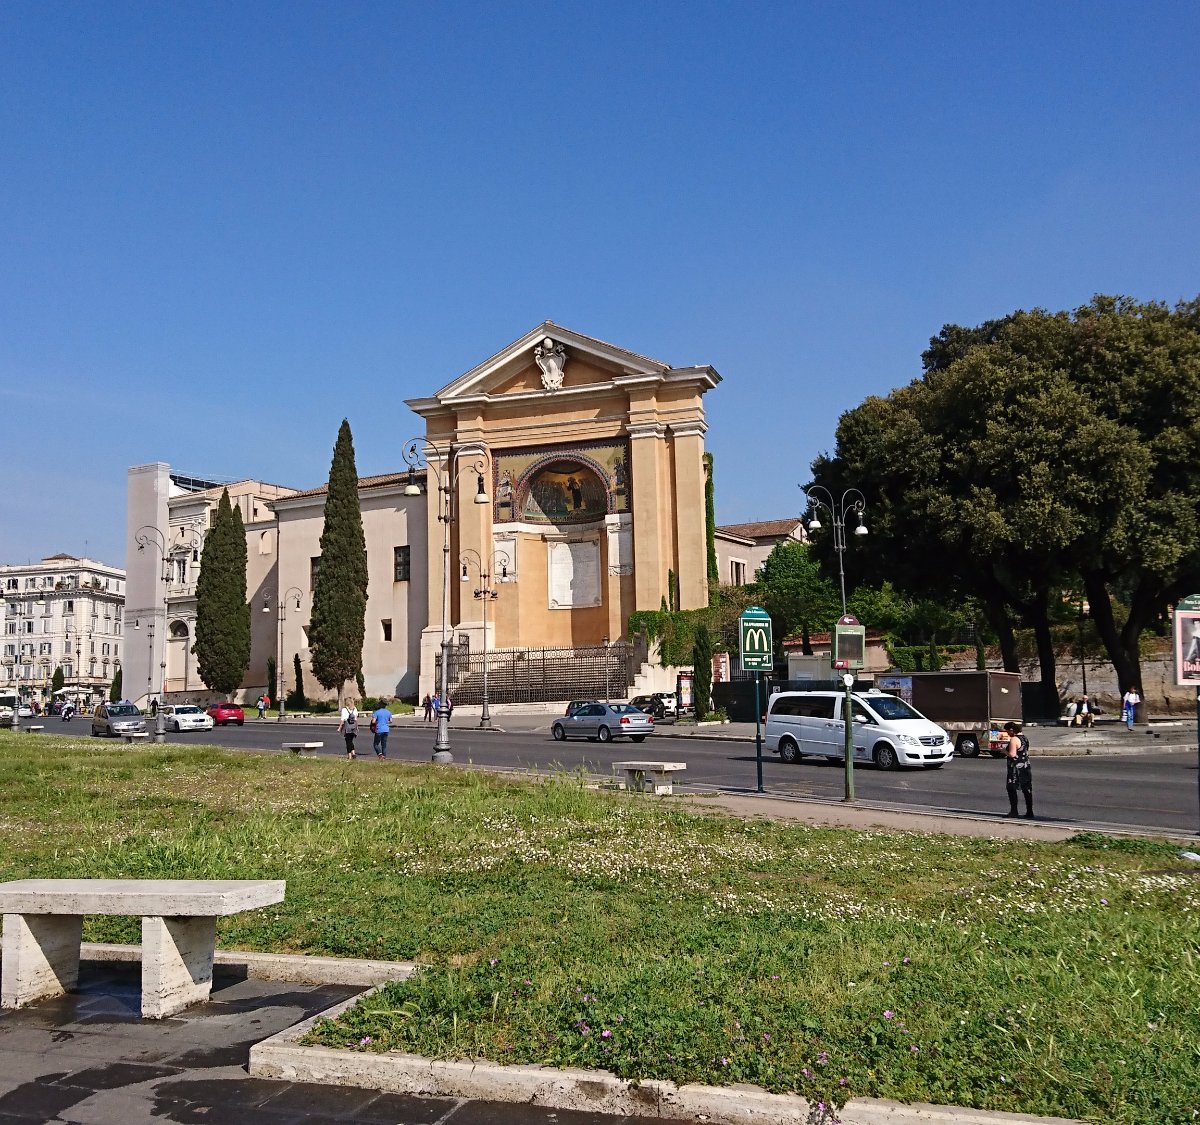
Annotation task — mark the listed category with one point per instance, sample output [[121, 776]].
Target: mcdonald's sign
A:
[[757, 643]]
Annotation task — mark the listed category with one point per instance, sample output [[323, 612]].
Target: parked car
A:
[[651, 705], [187, 716], [575, 704], [887, 731], [112, 719], [225, 713], [604, 721], [670, 704]]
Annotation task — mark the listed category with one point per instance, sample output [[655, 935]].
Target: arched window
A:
[[179, 630]]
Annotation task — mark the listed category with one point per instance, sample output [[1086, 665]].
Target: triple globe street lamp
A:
[[443, 463]]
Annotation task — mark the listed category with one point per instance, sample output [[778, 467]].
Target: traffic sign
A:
[[757, 643], [849, 642]]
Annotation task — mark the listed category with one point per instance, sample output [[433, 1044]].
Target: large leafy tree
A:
[[222, 645], [1035, 451], [339, 608], [796, 594]]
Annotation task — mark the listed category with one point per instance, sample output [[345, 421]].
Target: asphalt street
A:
[[1142, 789]]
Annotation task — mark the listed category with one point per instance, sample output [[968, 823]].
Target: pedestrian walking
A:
[[427, 703], [1129, 706], [381, 723], [154, 706], [436, 704], [348, 727], [261, 705], [1020, 772]]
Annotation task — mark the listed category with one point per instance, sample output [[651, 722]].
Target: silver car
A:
[[113, 719], [186, 716], [603, 722]]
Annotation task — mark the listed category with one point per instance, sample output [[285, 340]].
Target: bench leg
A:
[[41, 957], [177, 963], [658, 783]]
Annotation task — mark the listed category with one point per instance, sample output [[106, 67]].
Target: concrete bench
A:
[[35, 729], [43, 926], [136, 736], [299, 748], [654, 777]]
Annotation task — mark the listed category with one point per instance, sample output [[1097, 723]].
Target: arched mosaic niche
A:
[[565, 486]]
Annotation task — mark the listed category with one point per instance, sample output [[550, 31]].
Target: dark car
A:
[[224, 713], [651, 704]]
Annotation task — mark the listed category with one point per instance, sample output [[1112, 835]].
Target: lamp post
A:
[[413, 451], [149, 535], [292, 592], [7, 599], [485, 593], [852, 502], [1082, 657]]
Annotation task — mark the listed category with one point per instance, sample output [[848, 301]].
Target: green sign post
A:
[[758, 656]]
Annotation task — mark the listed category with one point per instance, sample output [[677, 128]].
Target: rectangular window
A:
[[403, 564], [314, 565], [70, 607], [387, 630], [28, 626]]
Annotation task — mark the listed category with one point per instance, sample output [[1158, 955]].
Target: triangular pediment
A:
[[587, 363]]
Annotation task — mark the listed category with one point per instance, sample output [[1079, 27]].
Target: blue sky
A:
[[223, 227]]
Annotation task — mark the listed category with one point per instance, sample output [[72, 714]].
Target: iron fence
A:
[[542, 675]]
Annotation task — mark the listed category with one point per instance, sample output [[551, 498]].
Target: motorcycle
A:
[[66, 713]]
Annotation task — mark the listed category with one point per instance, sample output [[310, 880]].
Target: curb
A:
[[296, 968], [595, 1091]]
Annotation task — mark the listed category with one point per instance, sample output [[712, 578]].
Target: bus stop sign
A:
[[757, 644]]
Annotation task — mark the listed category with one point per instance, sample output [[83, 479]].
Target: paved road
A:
[[1143, 790]]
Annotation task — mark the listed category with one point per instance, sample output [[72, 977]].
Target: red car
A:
[[223, 713]]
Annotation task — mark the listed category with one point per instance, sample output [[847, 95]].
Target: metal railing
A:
[[543, 675]]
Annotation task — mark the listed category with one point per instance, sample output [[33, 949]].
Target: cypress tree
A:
[[222, 613], [114, 689], [339, 610], [702, 667], [58, 679], [296, 699], [272, 683]]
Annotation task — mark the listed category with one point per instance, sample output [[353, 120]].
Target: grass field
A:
[[574, 927]]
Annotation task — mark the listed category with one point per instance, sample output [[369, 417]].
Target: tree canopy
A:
[[1037, 452], [339, 609], [222, 645]]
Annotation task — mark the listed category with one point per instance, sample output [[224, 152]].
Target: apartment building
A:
[[62, 612]]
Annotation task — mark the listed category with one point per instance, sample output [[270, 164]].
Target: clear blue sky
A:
[[223, 227]]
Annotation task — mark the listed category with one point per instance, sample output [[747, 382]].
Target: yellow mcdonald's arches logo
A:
[[754, 639]]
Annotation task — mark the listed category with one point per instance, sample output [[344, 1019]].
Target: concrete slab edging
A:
[[296, 968], [596, 1091]]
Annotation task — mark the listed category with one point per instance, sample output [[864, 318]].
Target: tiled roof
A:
[[380, 481], [764, 529], [61, 558], [818, 640]]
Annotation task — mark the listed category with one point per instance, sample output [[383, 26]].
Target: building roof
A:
[[383, 480], [823, 640], [764, 529], [61, 558]]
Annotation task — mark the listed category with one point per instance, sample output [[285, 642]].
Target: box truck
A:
[[972, 706]]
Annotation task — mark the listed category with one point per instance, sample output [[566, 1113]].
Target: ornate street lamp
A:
[[447, 477], [292, 593], [148, 535], [485, 593], [852, 502]]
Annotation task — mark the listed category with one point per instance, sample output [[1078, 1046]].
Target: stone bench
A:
[[136, 736], [299, 748], [43, 926], [654, 777], [35, 729]]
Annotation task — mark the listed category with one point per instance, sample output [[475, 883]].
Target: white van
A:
[[887, 731]]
